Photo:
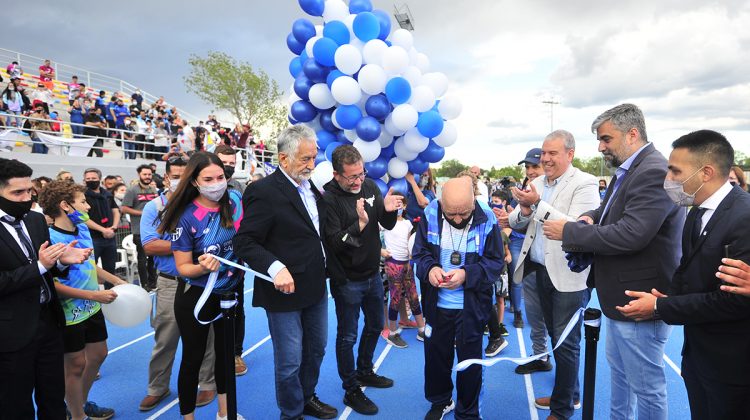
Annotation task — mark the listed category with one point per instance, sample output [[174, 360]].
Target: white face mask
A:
[[676, 191], [173, 183], [213, 192]]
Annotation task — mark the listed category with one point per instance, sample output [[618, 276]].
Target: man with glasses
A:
[[355, 208]]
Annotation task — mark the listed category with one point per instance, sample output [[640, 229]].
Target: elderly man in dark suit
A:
[[634, 238], [282, 235], [31, 318], [716, 351]]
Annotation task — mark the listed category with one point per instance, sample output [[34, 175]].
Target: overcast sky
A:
[[686, 63]]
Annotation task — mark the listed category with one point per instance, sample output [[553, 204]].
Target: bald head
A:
[[476, 171], [457, 200]]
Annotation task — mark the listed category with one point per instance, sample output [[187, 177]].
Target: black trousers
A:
[[447, 329], [106, 249], [239, 320], [712, 400], [146, 268], [35, 369]]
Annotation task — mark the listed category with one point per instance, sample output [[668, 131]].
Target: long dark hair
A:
[[187, 192]]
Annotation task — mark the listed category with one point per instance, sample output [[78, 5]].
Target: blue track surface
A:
[[506, 394]]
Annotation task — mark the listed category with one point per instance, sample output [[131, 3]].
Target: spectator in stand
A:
[[96, 127], [64, 175], [74, 90], [137, 98], [14, 70], [184, 141], [47, 74], [149, 133], [109, 114], [104, 216], [134, 109], [120, 112], [135, 200], [260, 151], [41, 93], [76, 117], [13, 104], [737, 177], [109, 182], [56, 126], [101, 102], [38, 120], [161, 140], [128, 138]]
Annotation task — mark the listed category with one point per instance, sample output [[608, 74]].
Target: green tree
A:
[[595, 166], [513, 170], [450, 168], [249, 95]]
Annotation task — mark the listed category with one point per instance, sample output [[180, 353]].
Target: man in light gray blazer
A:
[[563, 193]]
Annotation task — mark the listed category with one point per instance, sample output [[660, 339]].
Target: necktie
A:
[[615, 182], [44, 295], [695, 230]]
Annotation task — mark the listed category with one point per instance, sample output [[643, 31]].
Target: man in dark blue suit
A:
[[716, 351]]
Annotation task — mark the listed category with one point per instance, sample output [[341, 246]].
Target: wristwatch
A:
[[533, 206]]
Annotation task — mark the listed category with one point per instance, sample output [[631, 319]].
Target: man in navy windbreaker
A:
[[457, 263]]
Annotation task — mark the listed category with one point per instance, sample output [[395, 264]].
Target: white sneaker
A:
[[218, 417]]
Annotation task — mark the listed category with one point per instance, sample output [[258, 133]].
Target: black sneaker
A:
[[486, 330], [518, 320], [395, 340], [438, 411], [374, 380], [495, 346], [358, 401], [503, 330], [97, 413], [319, 409], [534, 366]]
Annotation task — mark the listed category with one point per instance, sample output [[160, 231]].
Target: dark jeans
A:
[[106, 249], [96, 149], [299, 344], [350, 298], [558, 307], [146, 269], [239, 319]]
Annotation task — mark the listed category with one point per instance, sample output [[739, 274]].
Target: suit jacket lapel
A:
[[564, 181], [293, 195], [724, 206], [12, 244]]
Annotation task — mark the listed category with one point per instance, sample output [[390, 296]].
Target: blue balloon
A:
[[348, 116], [325, 138], [333, 75], [302, 86], [358, 6], [303, 111], [378, 106], [320, 157], [295, 67], [432, 154], [382, 185], [315, 71], [388, 152], [337, 31], [326, 121], [303, 30], [330, 148], [388, 43], [377, 168], [430, 124], [324, 50], [313, 7], [399, 184], [303, 56], [366, 26], [417, 166], [398, 90], [292, 121], [294, 46], [384, 20], [341, 137], [368, 129]]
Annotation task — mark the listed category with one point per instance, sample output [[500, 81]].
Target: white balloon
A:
[[450, 107], [448, 136], [314, 124], [438, 82], [422, 98], [362, 102], [391, 128], [309, 45], [373, 51], [404, 116], [132, 306], [385, 138], [397, 168], [349, 22], [422, 63], [412, 75], [395, 60], [403, 152], [335, 10], [293, 97], [372, 79], [358, 44], [370, 150], [346, 90], [402, 38], [348, 59], [351, 135], [413, 56], [321, 97], [322, 174], [415, 141], [319, 30], [333, 120]]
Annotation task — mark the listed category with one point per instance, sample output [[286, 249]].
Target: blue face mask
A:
[[77, 217], [400, 212]]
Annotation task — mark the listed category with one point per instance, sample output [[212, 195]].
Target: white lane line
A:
[[177, 400], [131, 342], [383, 354], [672, 364], [533, 414]]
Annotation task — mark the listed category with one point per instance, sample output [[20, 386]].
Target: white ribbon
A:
[[523, 360], [59, 145]]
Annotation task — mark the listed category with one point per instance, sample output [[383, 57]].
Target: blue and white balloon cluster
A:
[[357, 83]]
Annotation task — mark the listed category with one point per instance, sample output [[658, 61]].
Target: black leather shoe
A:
[[374, 380], [319, 409], [534, 366], [358, 401]]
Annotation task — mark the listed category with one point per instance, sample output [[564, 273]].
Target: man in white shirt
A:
[[484, 194]]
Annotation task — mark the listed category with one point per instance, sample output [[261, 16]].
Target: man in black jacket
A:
[[355, 208]]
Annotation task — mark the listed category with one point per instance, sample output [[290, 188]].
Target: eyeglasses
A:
[[354, 178]]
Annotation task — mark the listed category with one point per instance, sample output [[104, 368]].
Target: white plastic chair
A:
[[131, 256]]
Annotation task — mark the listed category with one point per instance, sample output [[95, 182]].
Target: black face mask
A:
[[92, 185], [228, 171], [733, 183], [601, 188], [460, 225], [16, 209]]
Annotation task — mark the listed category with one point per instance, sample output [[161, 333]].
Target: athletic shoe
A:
[[374, 380], [438, 411], [534, 366], [151, 401], [240, 368], [395, 340], [358, 401], [486, 330], [503, 330], [518, 319], [420, 335], [319, 409], [97, 413], [407, 324], [385, 333], [495, 346], [542, 403], [239, 417]]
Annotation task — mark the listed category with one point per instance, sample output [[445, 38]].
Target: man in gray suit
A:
[[634, 237], [563, 193]]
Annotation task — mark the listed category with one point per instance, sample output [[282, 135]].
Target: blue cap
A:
[[532, 157]]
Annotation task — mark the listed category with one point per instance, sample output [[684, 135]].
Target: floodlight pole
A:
[[551, 104]]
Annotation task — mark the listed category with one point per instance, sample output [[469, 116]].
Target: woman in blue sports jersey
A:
[[202, 217]]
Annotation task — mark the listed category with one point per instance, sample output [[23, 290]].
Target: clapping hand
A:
[[526, 197], [392, 202], [362, 214], [73, 255]]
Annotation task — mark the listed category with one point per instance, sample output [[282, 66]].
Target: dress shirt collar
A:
[[712, 202], [629, 161]]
